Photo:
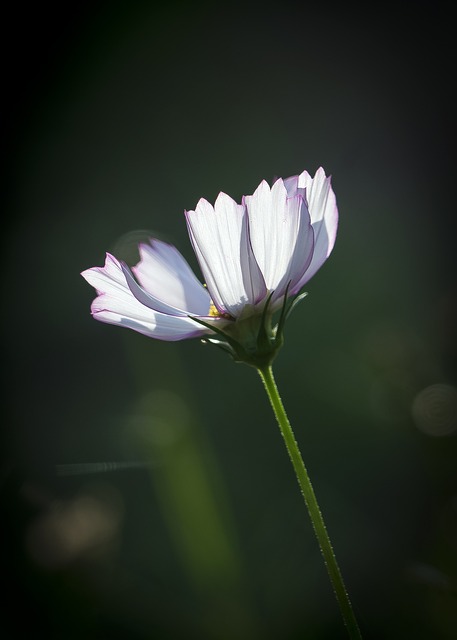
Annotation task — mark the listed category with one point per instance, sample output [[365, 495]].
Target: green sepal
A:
[[233, 343], [298, 298], [251, 338], [282, 318]]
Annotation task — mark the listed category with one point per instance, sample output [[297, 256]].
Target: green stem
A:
[[313, 507]]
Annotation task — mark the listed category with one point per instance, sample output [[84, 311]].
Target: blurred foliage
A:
[[145, 489]]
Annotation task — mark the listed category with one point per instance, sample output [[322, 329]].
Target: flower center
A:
[[213, 312]]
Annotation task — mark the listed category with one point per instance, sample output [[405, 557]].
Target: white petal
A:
[[107, 279], [220, 239], [281, 235], [291, 185], [302, 237], [116, 304], [263, 224], [154, 303], [164, 273], [159, 326], [324, 217], [146, 298]]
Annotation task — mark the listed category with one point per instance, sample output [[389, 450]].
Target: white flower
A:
[[252, 255]]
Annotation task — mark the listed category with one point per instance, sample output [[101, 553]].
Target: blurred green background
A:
[[145, 489]]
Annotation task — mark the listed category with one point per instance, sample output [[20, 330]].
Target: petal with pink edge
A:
[[324, 218], [117, 305]]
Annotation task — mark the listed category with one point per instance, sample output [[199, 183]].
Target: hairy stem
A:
[[314, 511]]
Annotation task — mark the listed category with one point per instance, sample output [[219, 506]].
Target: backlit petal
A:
[[116, 304], [292, 187], [302, 235], [281, 235], [220, 239], [324, 217], [164, 273]]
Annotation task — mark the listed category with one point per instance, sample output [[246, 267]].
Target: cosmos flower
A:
[[254, 257]]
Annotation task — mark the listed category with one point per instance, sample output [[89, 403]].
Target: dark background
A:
[[145, 489]]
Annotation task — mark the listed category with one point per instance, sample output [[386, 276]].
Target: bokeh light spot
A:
[[76, 529], [434, 410]]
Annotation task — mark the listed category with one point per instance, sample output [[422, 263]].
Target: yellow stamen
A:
[[213, 312]]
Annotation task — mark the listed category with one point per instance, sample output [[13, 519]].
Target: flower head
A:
[[255, 258]]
